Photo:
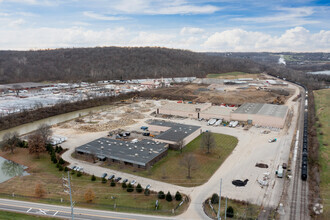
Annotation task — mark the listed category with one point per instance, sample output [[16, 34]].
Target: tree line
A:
[[102, 63]]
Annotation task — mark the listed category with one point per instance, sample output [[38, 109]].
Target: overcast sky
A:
[[215, 25]]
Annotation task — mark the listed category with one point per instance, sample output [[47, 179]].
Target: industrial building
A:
[[205, 110], [140, 154], [261, 114], [174, 133]]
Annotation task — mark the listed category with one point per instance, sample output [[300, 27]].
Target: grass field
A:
[[4, 215], [169, 169], [232, 75], [242, 210], [322, 106], [45, 172]]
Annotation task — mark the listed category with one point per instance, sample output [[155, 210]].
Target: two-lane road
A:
[[65, 212]]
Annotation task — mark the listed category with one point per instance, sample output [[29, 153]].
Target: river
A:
[[29, 127]]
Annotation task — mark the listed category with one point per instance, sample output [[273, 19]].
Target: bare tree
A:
[[208, 141], [45, 132], [36, 144], [9, 142], [180, 145], [39, 190], [190, 163]]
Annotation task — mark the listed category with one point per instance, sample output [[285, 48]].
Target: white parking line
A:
[[29, 210], [55, 213], [42, 211]]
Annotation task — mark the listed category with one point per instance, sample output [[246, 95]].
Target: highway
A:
[[65, 212]]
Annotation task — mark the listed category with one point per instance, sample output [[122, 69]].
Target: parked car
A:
[[125, 180], [118, 179], [104, 175], [284, 165], [133, 182], [272, 140], [146, 134], [76, 168], [148, 186], [73, 168], [81, 169], [111, 177]]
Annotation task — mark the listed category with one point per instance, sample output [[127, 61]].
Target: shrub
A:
[[104, 180], [161, 195], [61, 161], [72, 172], [130, 188], [93, 178], [60, 149], [215, 198], [54, 160], [169, 197], [60, 168], [113, 183], [39, 190], [147, 192], [178, 196], [230, 212], [79, 174], [66, 169], [57, 165], [139, 188], [124, 185]]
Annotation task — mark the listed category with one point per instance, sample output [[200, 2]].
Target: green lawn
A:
[[169, 169], [216, 75], [322, 107], [242, 210], [44, 171], [4, 215]]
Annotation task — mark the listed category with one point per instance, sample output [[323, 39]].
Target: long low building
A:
[[205, 110], [261, 114], [174, 133], [141, 154], [268, 115]]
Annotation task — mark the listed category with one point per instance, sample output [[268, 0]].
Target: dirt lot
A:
[[231, 95]]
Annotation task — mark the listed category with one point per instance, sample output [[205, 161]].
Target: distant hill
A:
[[102, 63]]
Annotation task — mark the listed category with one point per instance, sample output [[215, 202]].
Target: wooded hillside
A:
[[103, 63]]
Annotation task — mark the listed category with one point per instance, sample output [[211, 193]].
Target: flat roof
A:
[[185, 107], [219, 110], [177, 132], [141, 152], [263, 109]]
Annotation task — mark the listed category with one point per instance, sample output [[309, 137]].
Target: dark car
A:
[[118, 179], [111, 177], [146, 134], [284, 165], [125, 180], [104, 175]]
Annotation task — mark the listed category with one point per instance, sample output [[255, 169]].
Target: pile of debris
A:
[[265, 180], [261, 165]]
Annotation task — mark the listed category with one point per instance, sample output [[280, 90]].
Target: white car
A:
[[133, 182]]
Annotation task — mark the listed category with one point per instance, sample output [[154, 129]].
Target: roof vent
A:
[[130, 148], [136, 154]]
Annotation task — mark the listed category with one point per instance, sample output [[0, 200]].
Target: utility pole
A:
[[219, 217], [67, 189]]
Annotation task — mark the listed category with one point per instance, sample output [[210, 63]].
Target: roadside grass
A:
[[242, 210], [322, 109], [45, 172], [4, 215], [169, 169]]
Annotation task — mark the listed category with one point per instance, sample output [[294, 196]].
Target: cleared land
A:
[[322, 109], [203, 93], [242, 210], [18, 216], [170, 170], [43, 171]]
